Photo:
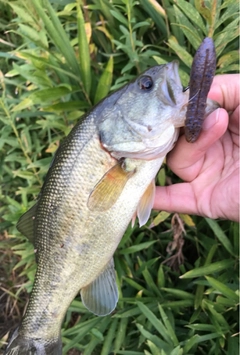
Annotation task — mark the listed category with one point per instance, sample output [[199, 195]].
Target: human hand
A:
[[210, 166]]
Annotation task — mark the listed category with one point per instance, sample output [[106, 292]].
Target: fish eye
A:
[[145, 82]]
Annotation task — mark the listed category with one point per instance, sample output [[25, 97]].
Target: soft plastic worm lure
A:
[[201, 77]]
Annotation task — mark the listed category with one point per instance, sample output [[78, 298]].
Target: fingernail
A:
[[211, 120]]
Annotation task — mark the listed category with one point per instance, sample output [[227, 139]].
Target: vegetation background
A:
[[177, 276]]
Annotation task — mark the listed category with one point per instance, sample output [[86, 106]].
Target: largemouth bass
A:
[[101, 177]]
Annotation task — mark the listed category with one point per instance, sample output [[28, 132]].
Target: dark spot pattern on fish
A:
[[201, 77]]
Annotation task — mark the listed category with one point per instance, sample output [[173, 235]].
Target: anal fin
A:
[[25, 225], [101, 296]]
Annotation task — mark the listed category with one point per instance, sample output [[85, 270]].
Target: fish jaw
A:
[[149, 128]]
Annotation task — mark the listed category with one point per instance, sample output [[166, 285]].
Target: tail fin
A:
[[20, 345]]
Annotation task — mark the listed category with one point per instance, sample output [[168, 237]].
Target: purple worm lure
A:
[[201, 77]]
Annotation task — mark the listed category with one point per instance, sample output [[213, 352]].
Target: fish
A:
[[102, 176]]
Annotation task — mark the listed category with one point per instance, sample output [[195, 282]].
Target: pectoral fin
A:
[[108, 189], [25, 224], [101, 296], [146, 204]]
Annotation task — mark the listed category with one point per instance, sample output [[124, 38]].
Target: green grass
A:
[[57, 60]]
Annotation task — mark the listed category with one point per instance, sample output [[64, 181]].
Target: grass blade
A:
[[56, 32], [108, 342], [168, 326], [84, 54], [181, 52], [105, 82], [209, 269], [121, 334], [157, 323], [226, 291], [154, 339], [220, 235]]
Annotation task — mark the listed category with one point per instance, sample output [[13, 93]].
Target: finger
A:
[[186, 159], [175, 198], [225, 90]]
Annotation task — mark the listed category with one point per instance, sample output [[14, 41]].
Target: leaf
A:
[[156, 12], [181, 52], [156, 323], [154, 339], [161, 217], [68, 106], [177, 351], [188, 29], [196, 339], [229, 33], [177, 304], [56, 32], [203, 10], [121, 334], [83, 327], [178, 293], [21, 12], [140, 25], [43, 97], [26, 140], [119, 17], [154, 349], [133, 311], [136, 248], [191, 12], [224, 240], [227, 59], [187, 219], [209, 269], [161, 277], [104, 82], [226, 291], [137, 286], [107, 345], [231, 12], [33, 35], [168, 326], [161, 177], [149, 280], [83, 50], [217, 318]]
